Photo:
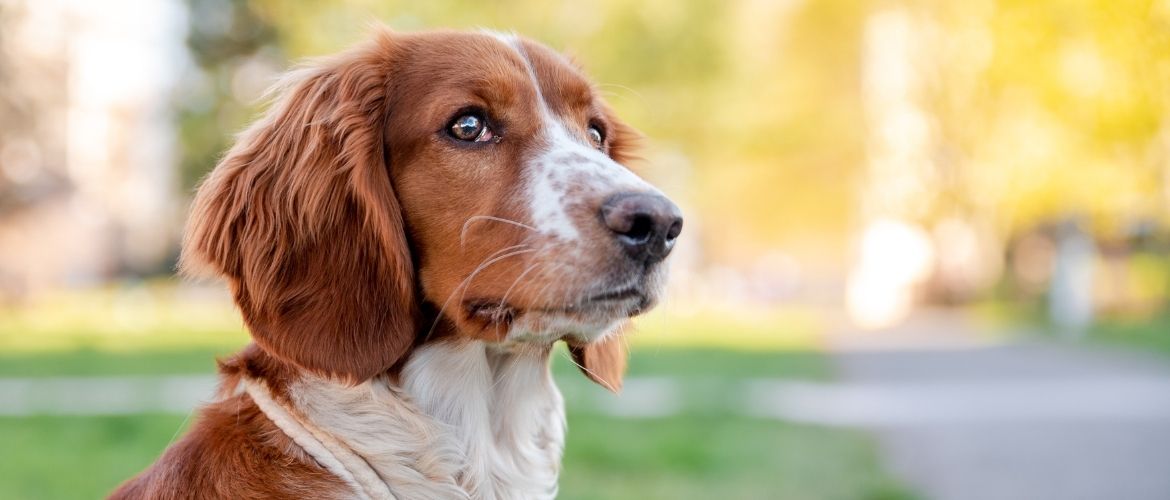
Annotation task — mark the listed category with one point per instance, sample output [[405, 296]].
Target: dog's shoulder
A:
[[233, 451]]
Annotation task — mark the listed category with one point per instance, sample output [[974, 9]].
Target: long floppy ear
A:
[[300, 216], [603, 361]]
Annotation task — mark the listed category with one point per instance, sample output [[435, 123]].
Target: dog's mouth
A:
[[627, 301], [616, 295], [612, 303]]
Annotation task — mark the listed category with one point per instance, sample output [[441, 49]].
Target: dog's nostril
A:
[[674, 230], [641, 228]]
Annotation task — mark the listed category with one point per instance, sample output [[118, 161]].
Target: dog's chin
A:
[[593, 315]]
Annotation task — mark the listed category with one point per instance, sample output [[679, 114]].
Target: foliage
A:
[[226, 39], [755, 109], [671, 69], [1049, 109]]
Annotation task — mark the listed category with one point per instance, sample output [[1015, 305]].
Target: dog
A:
[[407, 232]]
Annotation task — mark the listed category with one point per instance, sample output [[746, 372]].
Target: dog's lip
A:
[[615, 299], [628, 299], [616, 294]]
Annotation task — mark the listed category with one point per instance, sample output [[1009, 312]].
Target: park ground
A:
[[700, 444], [937, 409]]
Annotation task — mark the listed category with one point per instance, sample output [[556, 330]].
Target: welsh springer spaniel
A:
[[407, 232]]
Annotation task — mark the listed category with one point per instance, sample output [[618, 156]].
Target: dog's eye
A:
[[596, 136], [471, 128]]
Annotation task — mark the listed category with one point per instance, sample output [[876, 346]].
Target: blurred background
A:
[[927, 251]]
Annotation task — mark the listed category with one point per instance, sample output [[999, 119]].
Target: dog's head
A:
[[464, 179]]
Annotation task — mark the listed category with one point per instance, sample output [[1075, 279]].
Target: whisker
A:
[[184, 424], [590, 372], [504, 300], [624, 336], [629, 90], [489, 260], [473, 218], [549, 283]]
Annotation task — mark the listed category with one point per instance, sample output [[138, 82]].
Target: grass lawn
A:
[[719, 457], [701, 455], [1146, 331], [1152, 334], [645, 361], [678, 458], [707, 451]]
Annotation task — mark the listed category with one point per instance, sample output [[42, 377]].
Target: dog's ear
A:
[[603, 361], [300, 216], [623, 140]]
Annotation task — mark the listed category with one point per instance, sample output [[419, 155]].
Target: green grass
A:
[[678, 458], [707, 451], [644, 361], [704, 454], [719, 457], [1152, 334], [88, 362], [131, 317], [724, 363], [1147, 329], [77, 457]]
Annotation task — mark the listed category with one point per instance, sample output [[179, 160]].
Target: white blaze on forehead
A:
[[567, 168]]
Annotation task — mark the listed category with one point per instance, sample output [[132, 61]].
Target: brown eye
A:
[[596, 137], [470, 128]]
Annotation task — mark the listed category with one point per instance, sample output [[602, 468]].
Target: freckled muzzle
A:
[[619, 228]]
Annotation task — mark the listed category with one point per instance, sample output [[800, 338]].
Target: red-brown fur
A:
[[300, 217], [325, 221], [234, 451]]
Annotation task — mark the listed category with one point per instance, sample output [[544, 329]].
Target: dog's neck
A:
[[503, 409], [466, 420]]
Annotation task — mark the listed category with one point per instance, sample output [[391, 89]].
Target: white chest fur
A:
[[468, 421]]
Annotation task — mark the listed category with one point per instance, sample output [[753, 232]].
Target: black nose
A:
[[645, 225]]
